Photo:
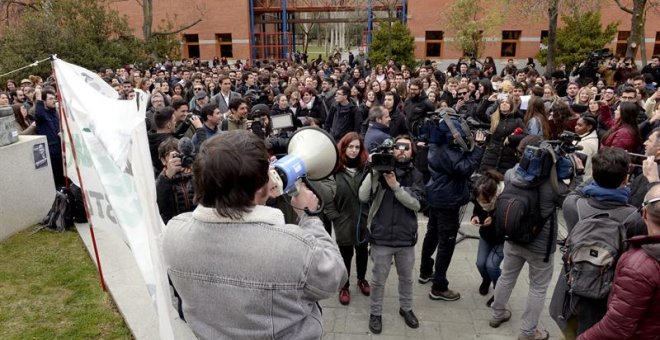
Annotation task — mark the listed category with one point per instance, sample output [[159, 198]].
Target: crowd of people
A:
[[373, 215]]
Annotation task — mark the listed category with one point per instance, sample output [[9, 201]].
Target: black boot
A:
[[375, 324], [485, 285]]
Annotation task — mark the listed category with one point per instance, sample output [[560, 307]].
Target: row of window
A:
[[223, 45], [510, 40]]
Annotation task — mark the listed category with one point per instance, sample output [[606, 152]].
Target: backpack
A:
[[518, 213], [593, 248], [61, 212]]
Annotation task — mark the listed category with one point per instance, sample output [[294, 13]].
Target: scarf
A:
[[604, 194], [490, 206], [352, 163]]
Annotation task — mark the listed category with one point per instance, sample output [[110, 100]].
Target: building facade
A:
[[226, 25]]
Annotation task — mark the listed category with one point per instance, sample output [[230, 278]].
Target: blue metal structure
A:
[[285, 29]]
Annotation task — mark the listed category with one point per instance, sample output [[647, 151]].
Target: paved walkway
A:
[[457, 320]]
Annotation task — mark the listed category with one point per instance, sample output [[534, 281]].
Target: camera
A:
[[383, 158], [186, 160]]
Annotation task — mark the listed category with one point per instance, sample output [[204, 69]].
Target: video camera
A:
[[186, 152], [445, 126], [538, 161], [383, 158]]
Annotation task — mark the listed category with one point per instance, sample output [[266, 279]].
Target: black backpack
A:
[[518, 213], [61, 212], [593, 247]]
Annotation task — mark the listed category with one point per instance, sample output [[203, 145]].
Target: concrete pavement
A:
[[466, 318]]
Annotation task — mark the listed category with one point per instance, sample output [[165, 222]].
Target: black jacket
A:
[[393, 213], [500, 157], [416, 109], [397, 124], [450, 170], [174, 195], [342, 120]]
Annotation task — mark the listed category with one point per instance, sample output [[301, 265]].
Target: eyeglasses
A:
[[651, 201], [627, 98]]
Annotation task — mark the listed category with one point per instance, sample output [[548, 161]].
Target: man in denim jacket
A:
[[237, 270]]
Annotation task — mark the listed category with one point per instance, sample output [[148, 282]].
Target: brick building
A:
[[225, 28]]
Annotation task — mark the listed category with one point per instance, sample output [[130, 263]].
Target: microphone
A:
[[187, 151]]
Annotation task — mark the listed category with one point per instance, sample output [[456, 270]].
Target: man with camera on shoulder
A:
[[451, 163], [236, 269], [396, 197]]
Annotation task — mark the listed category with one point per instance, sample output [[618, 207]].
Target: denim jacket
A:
[[253, 278]]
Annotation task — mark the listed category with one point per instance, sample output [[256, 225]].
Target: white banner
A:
[[112, 155]]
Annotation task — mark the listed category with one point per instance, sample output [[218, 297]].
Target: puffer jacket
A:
[[393, 213], [450, 170], [416, 109], [621, 137], [174, 195], [376, 134], [500, 157], [634, 303], [347, 213]]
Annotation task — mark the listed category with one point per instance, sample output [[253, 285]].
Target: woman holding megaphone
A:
[[348, 214]]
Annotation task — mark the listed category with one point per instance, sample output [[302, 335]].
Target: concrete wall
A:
[[27, 193]]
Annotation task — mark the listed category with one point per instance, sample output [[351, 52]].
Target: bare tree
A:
[[148, 16], [637, 23]]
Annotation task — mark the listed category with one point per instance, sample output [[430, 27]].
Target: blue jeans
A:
[[489, 258]]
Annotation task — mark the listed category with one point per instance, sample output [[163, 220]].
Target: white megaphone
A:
[[312, 155]]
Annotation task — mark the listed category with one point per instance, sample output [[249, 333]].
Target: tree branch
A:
[[622, 7], [139, 3], [180, 29]]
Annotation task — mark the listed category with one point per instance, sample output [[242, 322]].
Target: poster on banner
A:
[[109, 150]]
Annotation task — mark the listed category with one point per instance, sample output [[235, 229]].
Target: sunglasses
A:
[[462, 93], [402, 146]]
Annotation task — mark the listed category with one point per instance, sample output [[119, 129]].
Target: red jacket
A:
[[621, 137], [633, 309]]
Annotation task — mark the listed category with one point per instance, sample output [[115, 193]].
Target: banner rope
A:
[[26, 66]]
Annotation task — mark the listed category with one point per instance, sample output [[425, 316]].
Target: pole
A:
[[370, 23], [82, 187], [285, 30], [253, 51]]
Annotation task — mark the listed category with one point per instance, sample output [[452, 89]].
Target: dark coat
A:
[[393, 212], [500, 157], [317, 111], [450, 170], [397, 124], [634, 302], [48, 124], [174, 195], [347, 213], [342, 120], [416, 109], [376, 134]]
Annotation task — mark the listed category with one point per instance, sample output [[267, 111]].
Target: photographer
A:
[[237, 270], [212, 119], [451, 166], [174, 189], [624, 71], [395, 198]]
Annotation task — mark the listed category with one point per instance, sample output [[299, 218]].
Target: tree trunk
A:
[[148, 14], [553, 13], [636, 28], [642, 41]]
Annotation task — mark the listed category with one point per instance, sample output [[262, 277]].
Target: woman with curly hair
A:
[[348, 214]]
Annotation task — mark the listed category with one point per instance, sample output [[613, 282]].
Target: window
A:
[[191, 45], [544, 35], [434, 43], [224, 46], [622, 43], [656, 48], [510, 41]]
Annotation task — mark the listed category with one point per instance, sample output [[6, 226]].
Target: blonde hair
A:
[[495, 118], [507, 86]]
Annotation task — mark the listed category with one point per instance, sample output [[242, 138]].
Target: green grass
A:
[[49, 289]]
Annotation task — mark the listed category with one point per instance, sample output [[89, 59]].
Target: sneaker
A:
[[497, 322], [490, 301], [375, 324], [410, 318], [425, 278], [344, 296], [447, 295], [485, 285], [540, 334], [364, 287]]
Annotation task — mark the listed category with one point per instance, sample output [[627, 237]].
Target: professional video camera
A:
[[383, 159], [256, 96], [538, 161], [589, 69], [445, 126]]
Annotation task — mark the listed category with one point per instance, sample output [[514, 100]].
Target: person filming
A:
[[236, 269]]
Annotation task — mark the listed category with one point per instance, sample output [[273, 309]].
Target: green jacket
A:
[[347, 213]]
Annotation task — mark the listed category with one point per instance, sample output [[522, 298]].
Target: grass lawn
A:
[[50, 289]]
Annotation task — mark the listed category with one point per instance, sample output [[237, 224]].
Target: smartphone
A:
[[597, 97]]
